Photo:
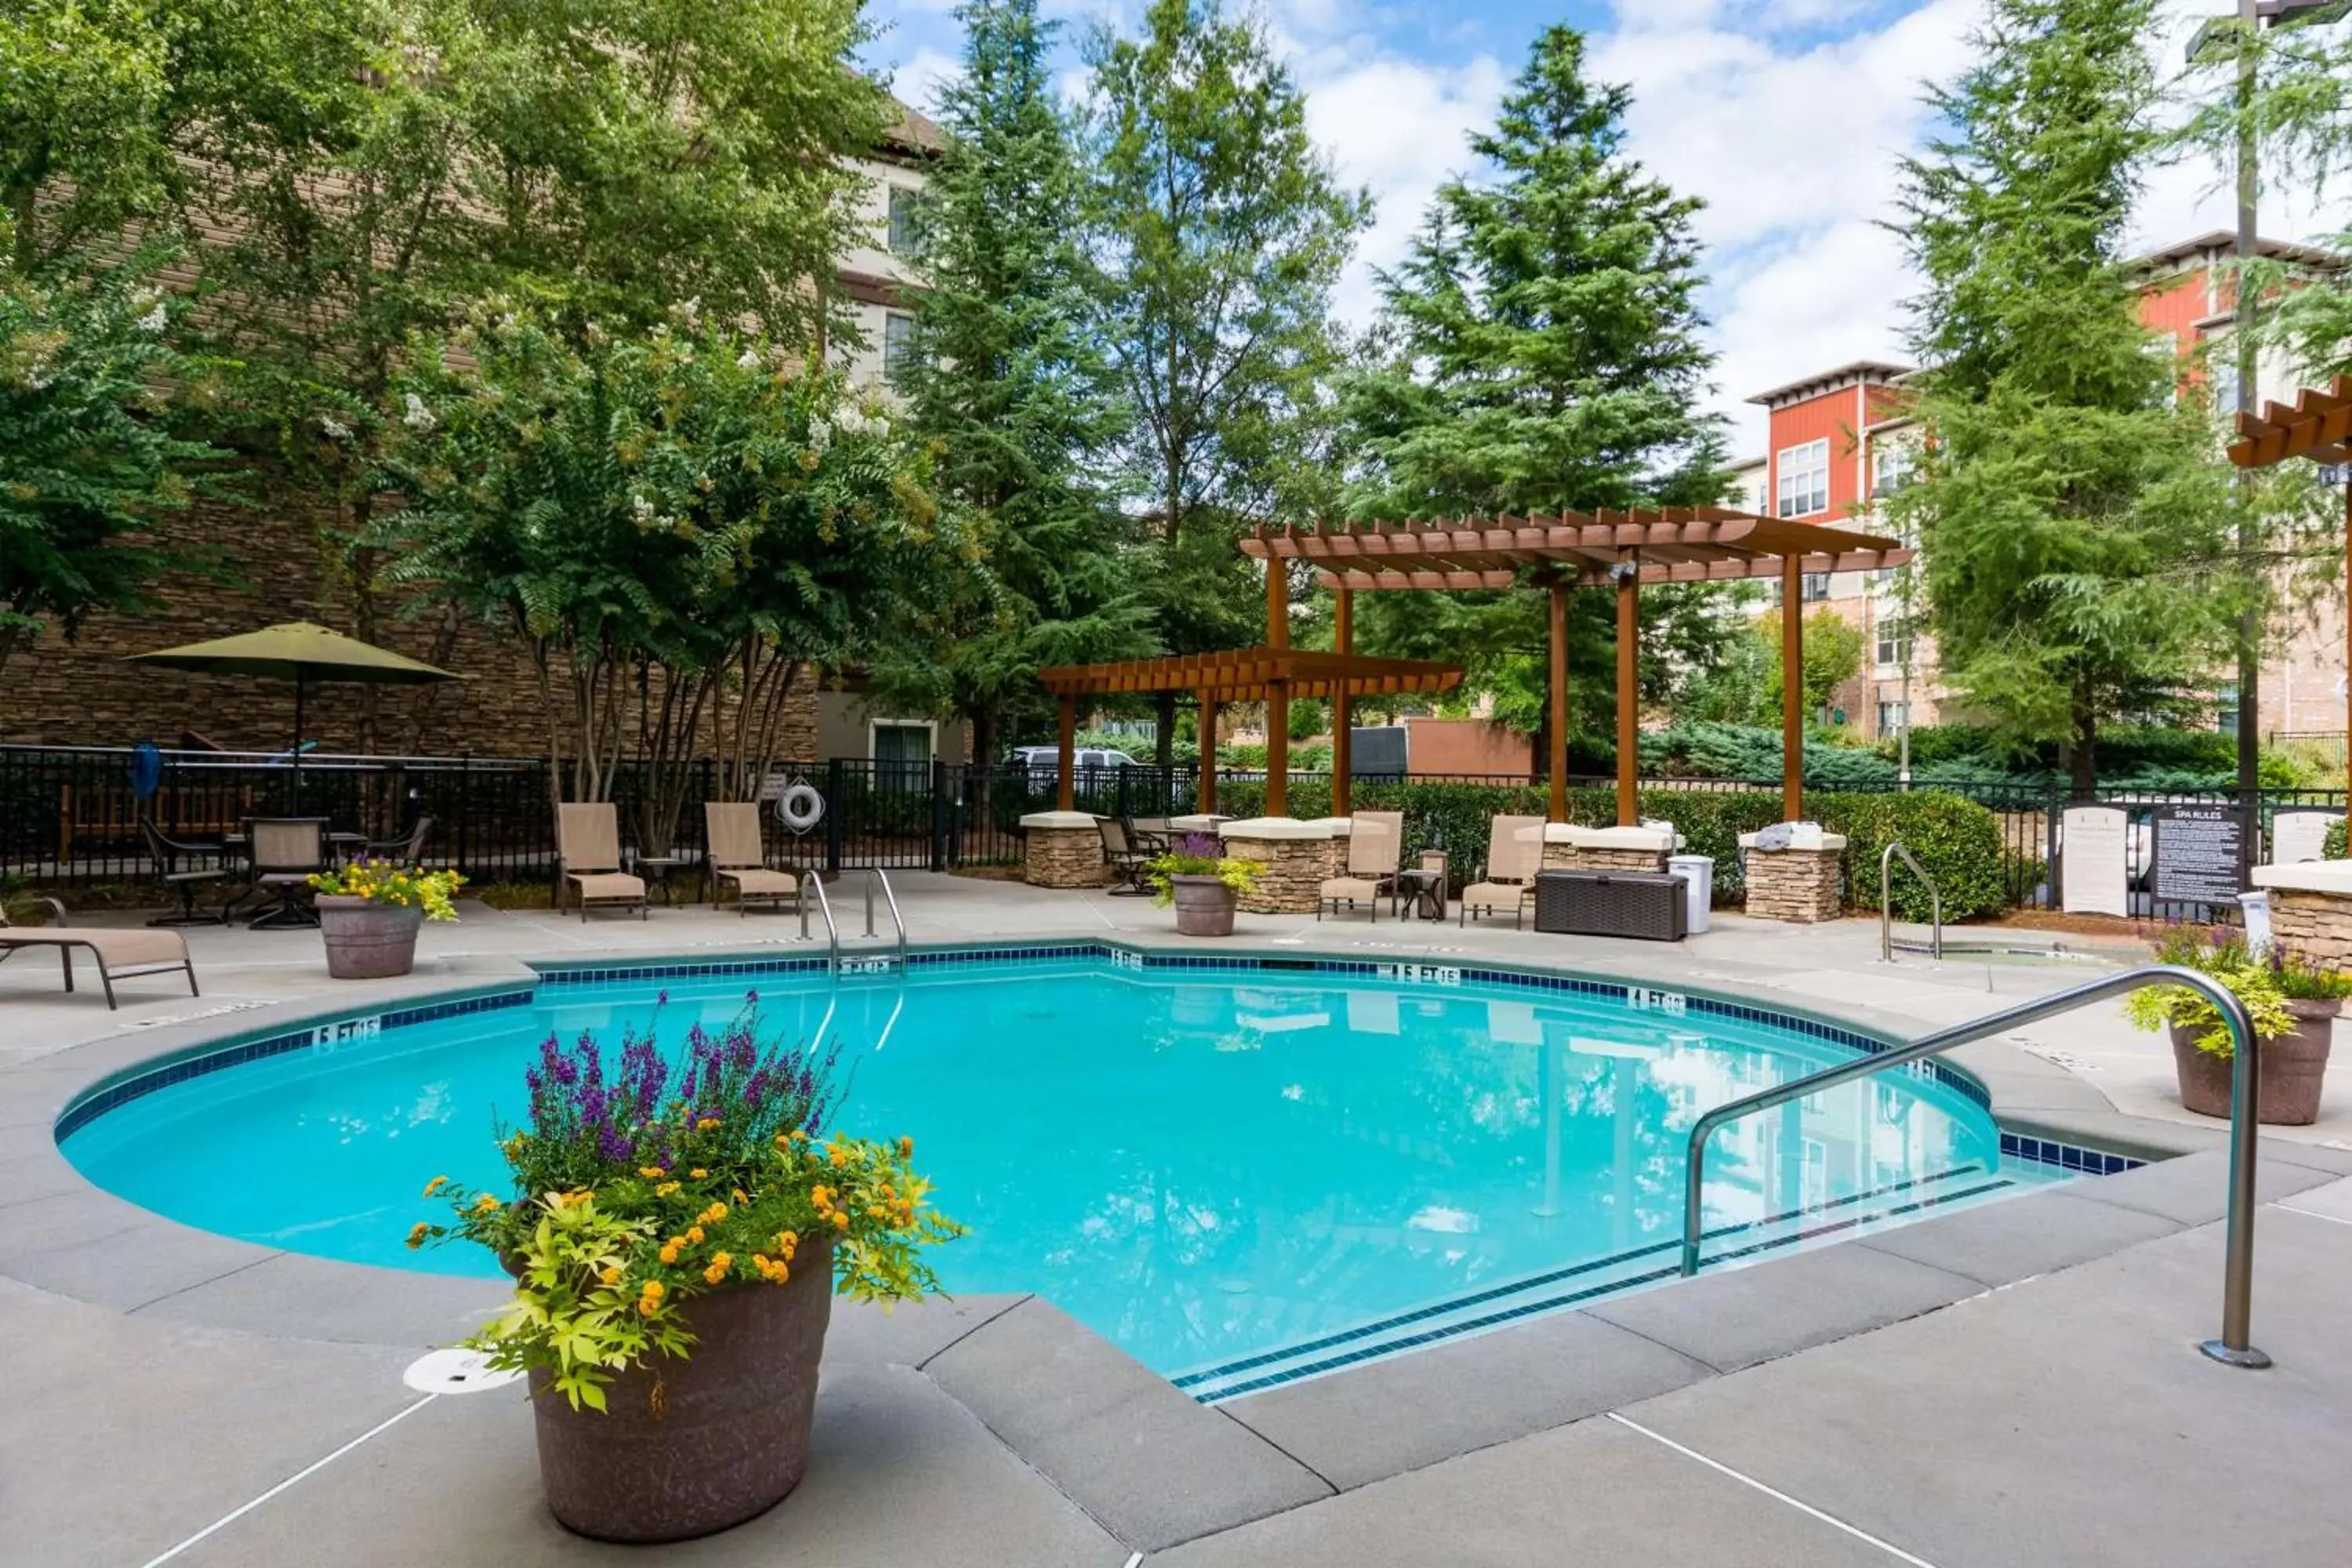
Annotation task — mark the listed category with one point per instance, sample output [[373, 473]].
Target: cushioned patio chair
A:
[[1514, 854], [286, 851], [185, 871], [120, 954], [1375, 850], [1128, 858], [588, 844], [408, 850], [740, 856]]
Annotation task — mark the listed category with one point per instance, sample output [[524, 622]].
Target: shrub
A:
[[1956, 841], [2335, 848]]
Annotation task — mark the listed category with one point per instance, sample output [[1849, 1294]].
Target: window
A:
[[901, 240], [1804, 480], [897, 341], [1890, 466], [2225, 385], [1815, 588], [2225, 709], [902, 754], [1894, 718], [1894, 643]]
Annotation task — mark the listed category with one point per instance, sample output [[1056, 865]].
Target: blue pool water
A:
[[1238, 1176]]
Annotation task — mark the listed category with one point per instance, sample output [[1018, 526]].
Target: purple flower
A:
[[661, 997], [751, 996]]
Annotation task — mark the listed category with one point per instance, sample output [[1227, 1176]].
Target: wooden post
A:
[[1277, 748], [2348, 641], [1278, 602], [1629, 688], [1343, 718], [1793, 687], [1556, 764], [1208, 802], [1066, 791]]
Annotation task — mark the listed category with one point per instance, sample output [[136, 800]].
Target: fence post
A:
[[940, 814], [464, 815], [833, 828], [2053, 808]]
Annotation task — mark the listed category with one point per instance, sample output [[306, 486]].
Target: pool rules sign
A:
[[2094, 877], [2200, 854]]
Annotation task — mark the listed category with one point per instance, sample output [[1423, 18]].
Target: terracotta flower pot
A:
[[2290, 1068], [1205, 905], [688, 1447], [366, 940]]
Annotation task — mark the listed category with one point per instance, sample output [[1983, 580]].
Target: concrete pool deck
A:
[[2006, 1384]]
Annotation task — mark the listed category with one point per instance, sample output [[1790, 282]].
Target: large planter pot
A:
[[1205, 905], [688, 1447], [2290, 1070], [365, 939]]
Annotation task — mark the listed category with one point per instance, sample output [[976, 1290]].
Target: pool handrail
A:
[[1886, 904], [876, 874], [2234, 1348], [825, 906]]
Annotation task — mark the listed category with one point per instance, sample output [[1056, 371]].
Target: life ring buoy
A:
[[800, 808]]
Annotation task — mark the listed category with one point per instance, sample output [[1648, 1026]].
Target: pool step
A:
[[1575, 1284]]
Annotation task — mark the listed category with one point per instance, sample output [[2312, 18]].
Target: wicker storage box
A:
[[1613, 903]]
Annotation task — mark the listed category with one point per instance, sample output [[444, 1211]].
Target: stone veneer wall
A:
[[277, 568], [1062, 857], [1570, 858], [1295, 871], [1800, 886], [2316, 928]]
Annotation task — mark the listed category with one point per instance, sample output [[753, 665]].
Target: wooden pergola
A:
[[1569, 550], [2318, 427], [1272, 675]]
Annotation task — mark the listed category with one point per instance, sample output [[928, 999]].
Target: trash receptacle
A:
[[1697, 872], [2257, 907]]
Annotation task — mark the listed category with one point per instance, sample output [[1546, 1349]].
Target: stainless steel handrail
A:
[[2238, 1272], [1886, 906], [825, 906], [875, 874]]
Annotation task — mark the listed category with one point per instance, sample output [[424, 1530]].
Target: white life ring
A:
[[800, 808]]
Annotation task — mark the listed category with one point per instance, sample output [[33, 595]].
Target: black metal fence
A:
[[69, 814]]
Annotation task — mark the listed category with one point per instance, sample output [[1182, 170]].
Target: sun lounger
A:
[[1375, 850], [588, 839], [739, 855], [120, 954], [1514, 853]]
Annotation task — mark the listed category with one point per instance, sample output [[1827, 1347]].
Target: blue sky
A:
[[1786, 116]]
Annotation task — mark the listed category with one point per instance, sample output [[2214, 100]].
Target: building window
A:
[[1894, 643], [1804, 480], [901, 750], [2225, 385], [1894, 718], [1815, 588], [901, 240], [1890, 466], [2225, 709], [897, 341]]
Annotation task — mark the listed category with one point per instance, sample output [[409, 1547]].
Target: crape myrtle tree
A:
[[674, 522], [2072, 520], [1007, 382], [1540, 348], [1219, 231]]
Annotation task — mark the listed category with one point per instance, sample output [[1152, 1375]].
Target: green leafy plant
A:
[[387, 882], [2335, 847], [2221, 954], [1198, 855], [641, 1184]]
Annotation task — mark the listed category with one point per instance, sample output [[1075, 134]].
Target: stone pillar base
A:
[[1061, 850], [1800, 886], [1298, 858], [2311, 910], [1568, 848]]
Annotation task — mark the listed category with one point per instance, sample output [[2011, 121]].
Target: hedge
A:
[[1958, 841], [2334, 849]]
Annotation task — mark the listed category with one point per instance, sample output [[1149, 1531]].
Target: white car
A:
[[1044, 762]]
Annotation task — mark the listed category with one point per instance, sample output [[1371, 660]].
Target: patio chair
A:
[[286, 851], [588, 846], [1375, 850], [1130, 863], [739, 855], [180, 878], [1514, 854], [120, 954], [408, 850], [1151, 841]]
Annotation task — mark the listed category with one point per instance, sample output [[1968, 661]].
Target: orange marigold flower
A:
[[669, 1251], [612, 1276], [666, 1189], [485, 1204], [840, 1220], [693, 1235], [652, 1173], [906, 1147], [821, 1195], [837, 1154], [436, 1185], [416, 1236], [697, 1174], [787, 1239], [799, 1136], [706, 1125]]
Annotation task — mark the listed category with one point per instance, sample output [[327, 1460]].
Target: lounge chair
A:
[[588, 846], [120, 954], [740, 854], [286, 851], [1514, 854], [1129, 860], [1375, 850], [175, 869]]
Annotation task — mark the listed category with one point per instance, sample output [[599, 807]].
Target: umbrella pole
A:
[[298, 674]]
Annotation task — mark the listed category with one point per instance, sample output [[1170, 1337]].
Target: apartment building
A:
[[1842, 441], [875, 276]]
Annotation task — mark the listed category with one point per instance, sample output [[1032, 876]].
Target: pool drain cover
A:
[[455, 1372]]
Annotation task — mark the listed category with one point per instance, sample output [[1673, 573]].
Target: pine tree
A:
[[1006, 381], [1220, 231], [1540, 350], [2072, 520]]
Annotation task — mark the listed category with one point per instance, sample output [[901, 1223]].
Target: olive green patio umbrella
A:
[[302, 653]]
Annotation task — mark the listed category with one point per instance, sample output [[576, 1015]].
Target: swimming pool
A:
[[1241, 1173]]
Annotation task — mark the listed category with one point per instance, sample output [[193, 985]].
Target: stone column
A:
[[1570, 848], [1298, 858], [1800, 884], [1061, 850], [2311, 910]]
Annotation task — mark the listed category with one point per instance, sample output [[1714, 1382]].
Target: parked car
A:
[[1044, 762]]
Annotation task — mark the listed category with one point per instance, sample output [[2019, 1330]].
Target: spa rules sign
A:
[[2200, 854]]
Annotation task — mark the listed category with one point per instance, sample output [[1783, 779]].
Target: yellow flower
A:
[[821, 1195], [612, 1276], [697, 1174], [714, 1213], [837, 1154], [694, 1235], [706, 1125], [906, 1147], [840, 1220], [652, 1173], [798, 1136], [787, 1239], [666, 1189], [718, 1270], [416, 1236], [485, 1204], [436, 1185], [669, 1251]]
